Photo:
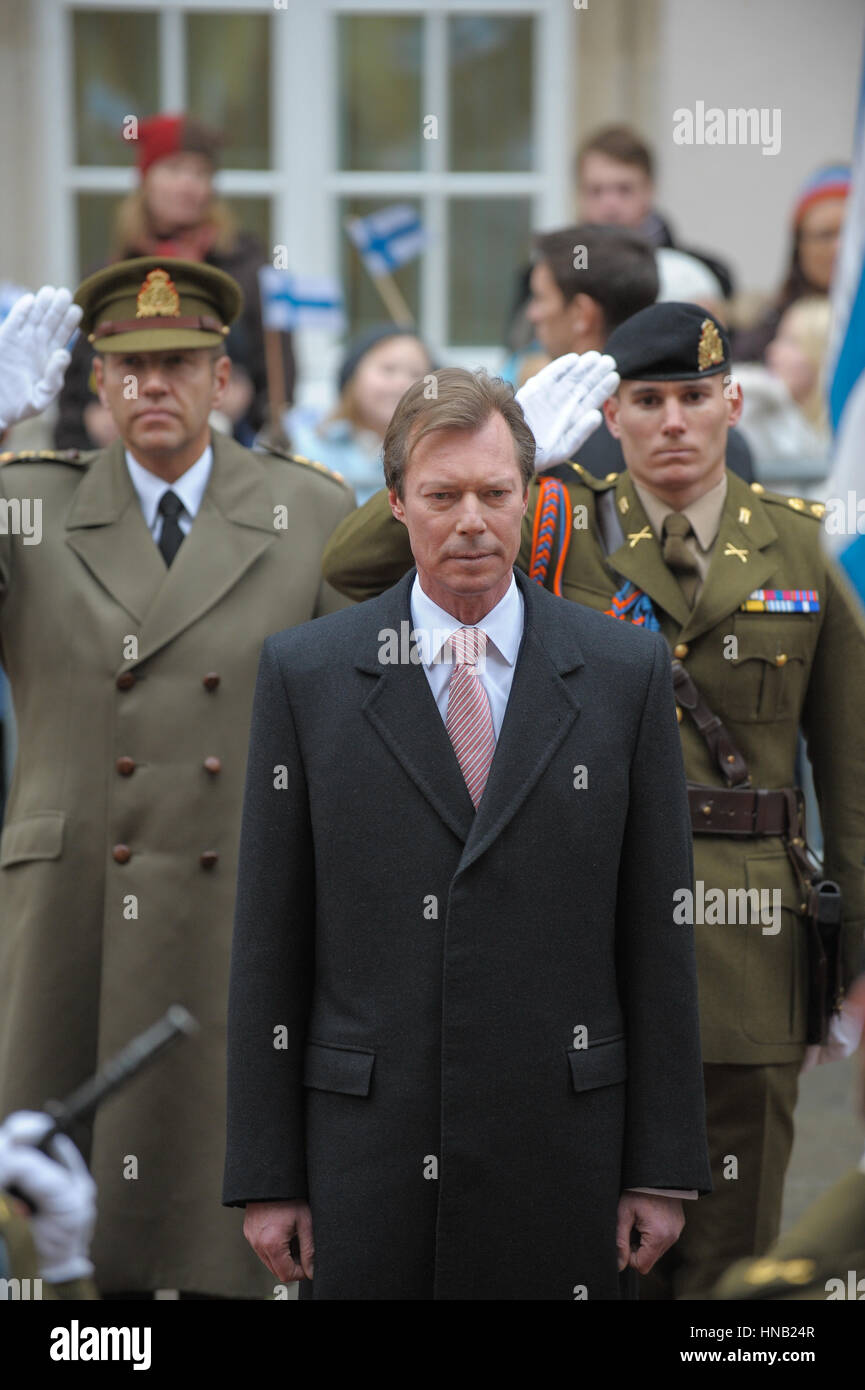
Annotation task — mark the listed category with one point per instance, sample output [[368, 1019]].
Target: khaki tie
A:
[[678, 556]]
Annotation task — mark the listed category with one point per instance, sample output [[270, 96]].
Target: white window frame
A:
[[305, 184]]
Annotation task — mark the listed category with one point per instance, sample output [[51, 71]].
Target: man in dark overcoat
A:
[[463, 1044]]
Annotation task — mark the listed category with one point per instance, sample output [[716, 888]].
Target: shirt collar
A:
[[189, 487], [503, 624], [704, 513]]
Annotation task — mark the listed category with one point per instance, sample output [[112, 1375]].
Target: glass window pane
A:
[[116, 75], [489, 242], [363, 303], [253, 215], [380, 59], [96, 230], [228, 81], [490, 81]]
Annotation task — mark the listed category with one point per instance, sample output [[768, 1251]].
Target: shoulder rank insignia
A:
[[44, 456], [711, 350], [781, 601]]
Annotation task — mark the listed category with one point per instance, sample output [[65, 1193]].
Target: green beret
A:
[[670, 342], [155, 303]]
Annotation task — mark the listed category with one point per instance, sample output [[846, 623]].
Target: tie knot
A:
[[468, 645], [677, 524], [170, 505]]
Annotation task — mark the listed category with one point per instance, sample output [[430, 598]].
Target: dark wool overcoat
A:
[[461, 1034]]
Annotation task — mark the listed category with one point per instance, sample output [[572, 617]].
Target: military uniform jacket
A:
[[784, 670], [132, 687]]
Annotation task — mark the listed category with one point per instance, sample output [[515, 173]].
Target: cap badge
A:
[[711, 349], [158, 296]]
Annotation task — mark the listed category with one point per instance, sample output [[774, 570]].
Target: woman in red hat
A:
[[175, 213]]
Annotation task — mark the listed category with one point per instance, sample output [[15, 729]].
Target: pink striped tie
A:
[[469, 720]]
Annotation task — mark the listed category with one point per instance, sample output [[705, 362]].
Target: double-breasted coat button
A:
[[209, 858], [213, 765], [125, 680], [121, 854], [210, 681], [680, 650], [125, 766]]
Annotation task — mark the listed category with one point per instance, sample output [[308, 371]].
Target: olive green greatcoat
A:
[[783, 671], [116, 748]]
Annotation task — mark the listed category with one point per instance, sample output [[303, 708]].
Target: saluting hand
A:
[[561, 403], [270, 1228], [33, 358]]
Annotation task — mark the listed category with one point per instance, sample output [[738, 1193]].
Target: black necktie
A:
[[171, 536]]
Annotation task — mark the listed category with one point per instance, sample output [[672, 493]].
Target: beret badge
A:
[[711, 349]]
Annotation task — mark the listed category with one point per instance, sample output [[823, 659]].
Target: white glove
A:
[[561, 403], [33, 360], [845, 1035], [62, 1193]]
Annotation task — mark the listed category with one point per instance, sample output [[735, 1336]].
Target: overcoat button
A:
[[121, 854], [213, 765], [210, 681], [209, 858], [125, 766], [125, 680]]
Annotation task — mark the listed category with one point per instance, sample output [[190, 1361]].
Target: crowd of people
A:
[[439, 929]]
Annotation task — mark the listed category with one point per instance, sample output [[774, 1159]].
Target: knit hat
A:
[[161, 136], [832, 181], [364, 342]]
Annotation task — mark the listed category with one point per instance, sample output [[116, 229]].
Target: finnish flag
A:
[[386, 239], [290, 301]]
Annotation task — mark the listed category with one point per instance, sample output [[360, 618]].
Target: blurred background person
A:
[[818, 217], [784, 416], [378, 368], [175, 213], [616, 185], [688, 280]]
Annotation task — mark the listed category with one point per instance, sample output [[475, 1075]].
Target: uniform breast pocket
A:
[[768, 666]]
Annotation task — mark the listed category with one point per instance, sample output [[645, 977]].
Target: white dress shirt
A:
[[504, 628], [189, 487]]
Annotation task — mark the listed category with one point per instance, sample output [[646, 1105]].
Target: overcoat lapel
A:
[[540, 711], [234, 525], [106, 529], [403, 712]]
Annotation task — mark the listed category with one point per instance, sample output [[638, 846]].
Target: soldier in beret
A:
[[131, 622], [766, 640]]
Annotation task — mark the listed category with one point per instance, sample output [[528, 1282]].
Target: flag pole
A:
[[275, 368]]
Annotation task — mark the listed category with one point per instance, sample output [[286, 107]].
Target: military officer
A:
[[136, 587], [767, 640]]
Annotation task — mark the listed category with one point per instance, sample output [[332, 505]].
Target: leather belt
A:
[[741, 811]]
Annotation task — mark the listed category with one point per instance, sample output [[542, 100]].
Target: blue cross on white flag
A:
[[846, 372], [386, 239], [291, 301]]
